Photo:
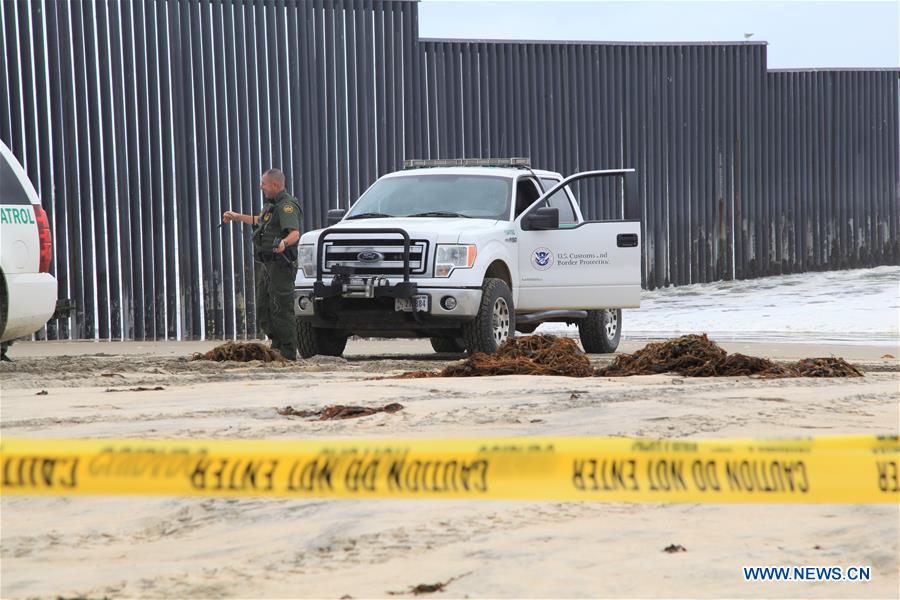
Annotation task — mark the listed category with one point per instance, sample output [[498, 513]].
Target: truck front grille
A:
[[347, 252]]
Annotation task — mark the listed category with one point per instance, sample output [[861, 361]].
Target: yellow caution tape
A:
[[846, 469]]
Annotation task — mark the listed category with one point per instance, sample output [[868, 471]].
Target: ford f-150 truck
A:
[[467, 252]]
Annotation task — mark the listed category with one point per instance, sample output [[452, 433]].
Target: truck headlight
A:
[[306, 259], [453, 256]]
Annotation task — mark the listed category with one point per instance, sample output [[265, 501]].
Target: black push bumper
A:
[[347, 284]]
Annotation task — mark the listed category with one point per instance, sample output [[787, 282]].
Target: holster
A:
[[288, 258]]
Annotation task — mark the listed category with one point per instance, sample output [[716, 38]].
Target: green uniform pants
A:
[[275, 306]]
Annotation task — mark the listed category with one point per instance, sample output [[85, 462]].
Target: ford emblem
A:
[[370, 256]]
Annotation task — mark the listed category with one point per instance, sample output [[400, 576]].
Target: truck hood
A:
[[437, 229]]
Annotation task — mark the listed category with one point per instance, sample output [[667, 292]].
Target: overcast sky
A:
[[801, 34]]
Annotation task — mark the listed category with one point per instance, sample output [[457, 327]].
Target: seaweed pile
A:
[[240, 352], [339, 411], [688, 355], [698, 356], [527, 355]]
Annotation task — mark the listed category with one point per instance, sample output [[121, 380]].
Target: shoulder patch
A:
[[287, 208]]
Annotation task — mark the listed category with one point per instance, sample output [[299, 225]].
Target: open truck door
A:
[[588, 265]]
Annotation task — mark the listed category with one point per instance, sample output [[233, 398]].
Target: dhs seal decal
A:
[[542, 259]]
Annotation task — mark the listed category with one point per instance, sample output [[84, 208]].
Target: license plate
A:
[[418, 303]]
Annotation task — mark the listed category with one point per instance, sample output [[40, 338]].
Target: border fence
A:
[[140, 122]]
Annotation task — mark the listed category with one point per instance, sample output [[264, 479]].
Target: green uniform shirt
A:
[[279, 215]]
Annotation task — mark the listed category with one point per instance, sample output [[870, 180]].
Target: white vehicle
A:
[[466, 252], [28, 295]]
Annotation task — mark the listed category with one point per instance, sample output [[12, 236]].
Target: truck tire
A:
[[447, 344], [496, 319], [312, 341], [601, 330]]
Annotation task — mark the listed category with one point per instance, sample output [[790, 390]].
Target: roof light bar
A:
[[423, 163]]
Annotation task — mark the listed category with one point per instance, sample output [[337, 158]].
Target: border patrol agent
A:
[[276, 231]]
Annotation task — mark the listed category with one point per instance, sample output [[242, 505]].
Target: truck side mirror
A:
[[334, 216], [546, 217]]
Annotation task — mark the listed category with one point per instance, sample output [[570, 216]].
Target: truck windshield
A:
[[473, 196]]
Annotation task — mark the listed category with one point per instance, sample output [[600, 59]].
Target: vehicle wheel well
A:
[[499, 270]]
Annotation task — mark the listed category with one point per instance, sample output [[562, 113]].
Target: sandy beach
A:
[[179, 547]]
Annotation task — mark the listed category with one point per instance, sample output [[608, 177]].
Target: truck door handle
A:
[[627, 240]]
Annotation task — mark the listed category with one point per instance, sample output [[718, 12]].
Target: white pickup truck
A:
[[466, 252]]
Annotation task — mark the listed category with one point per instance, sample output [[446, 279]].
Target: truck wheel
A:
[[447, 344], [315, 340], [601, 330], [496, 319]]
